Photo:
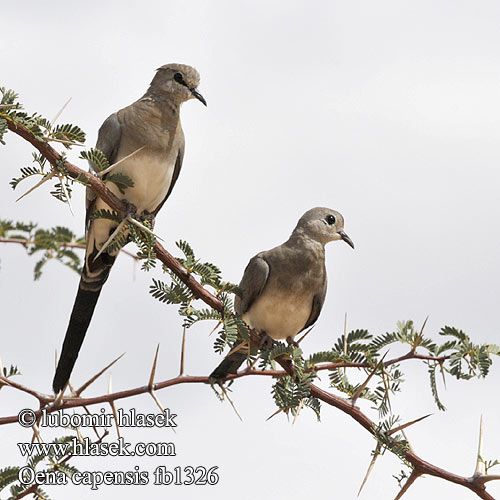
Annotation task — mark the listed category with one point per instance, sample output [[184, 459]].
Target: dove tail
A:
[[230, 364], [94, 275]]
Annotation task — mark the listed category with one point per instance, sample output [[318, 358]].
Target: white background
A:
[[387, 111]]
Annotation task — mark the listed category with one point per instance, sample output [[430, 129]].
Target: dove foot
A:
[[266, 342]]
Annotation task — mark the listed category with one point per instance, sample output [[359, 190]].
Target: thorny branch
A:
[[74, 402], [62, 244], [475, 483]]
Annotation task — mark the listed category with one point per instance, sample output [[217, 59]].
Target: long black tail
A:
[[83, 309], [231, 363], [94, 275]]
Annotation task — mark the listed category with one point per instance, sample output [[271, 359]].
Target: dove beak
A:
[[198, 96], [346, 238]]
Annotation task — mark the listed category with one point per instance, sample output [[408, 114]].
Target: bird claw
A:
[[131, 210], [266, 342], [149, 217]]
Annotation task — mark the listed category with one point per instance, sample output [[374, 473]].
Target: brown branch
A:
[[420, 466], [74, 402], [31, 490]]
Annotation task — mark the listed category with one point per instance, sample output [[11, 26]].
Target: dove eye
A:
[[330, 219], [178, 78]]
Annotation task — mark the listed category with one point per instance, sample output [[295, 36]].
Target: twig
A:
[[413, 477], [38, 184]]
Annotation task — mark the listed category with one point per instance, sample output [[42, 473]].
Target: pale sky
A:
[[386, 111]]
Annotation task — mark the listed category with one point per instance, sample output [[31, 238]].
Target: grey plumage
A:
[[283, 289], [150, 131]]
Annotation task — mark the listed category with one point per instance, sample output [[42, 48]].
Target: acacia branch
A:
[[77, 401], [474, 483], [62, 244], [420, 466]]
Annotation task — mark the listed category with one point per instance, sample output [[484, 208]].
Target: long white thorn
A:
[[111, 238], [485, 479], [345, 334], [420, 336], [237, 348], [413, 477], [183, 349], [157, 401], [160, 406], [274, 414], [113, 407], [305, 335], [36, 433], [58, 114], [153, 369], [370, 467], [362, 387], [62, 141], [345, 337], [404, 426], [480, 469], [143, 227], [97, 375], [301, 405], [111, 167], [68, 199], [59, 397], [230, 401], [38, 184], [408, 441]]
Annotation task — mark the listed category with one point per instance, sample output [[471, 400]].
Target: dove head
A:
[[177, 81], [323, 225]]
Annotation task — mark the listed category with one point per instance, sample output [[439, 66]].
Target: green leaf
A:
[[3, 129], [106, 214], [176, 293], [186, 248], [432, 377], [97, 159], [121, 181], [7, 476], [68, 132], [25, 173]]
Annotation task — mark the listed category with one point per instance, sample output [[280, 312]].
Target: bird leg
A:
[[148, 216], [131, 212], [290, 341], [266, 342], [131, 208]]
